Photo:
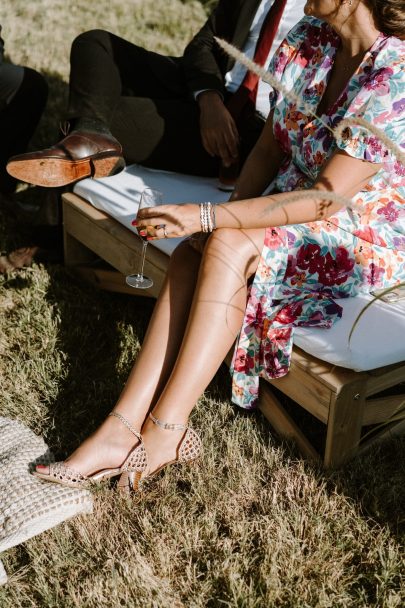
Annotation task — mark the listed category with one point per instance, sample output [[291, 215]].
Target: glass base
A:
[[138, 281]]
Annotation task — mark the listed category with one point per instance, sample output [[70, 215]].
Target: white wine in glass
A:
[[149, 198]]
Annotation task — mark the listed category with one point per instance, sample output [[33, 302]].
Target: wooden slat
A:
[[378, 410], [380, 380], [332, 376], [307, 390], [109, 280], [272, 409], [388, 432], [344, 424], [112, 242]]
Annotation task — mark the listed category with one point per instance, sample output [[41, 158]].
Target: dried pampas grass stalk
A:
[[323, 195], [276, 84], [267, 77]]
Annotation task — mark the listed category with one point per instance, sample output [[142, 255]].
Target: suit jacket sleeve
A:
[[1, 48], [204, 63]]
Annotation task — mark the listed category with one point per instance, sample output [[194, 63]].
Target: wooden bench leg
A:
[[344, 424]]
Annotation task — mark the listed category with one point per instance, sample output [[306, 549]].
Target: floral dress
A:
[[305, 268]]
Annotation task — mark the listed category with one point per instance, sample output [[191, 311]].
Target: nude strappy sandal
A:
[[61, 473], [136, 466]]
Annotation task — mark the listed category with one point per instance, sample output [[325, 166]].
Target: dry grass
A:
[[252, 526]]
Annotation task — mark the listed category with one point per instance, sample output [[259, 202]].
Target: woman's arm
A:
[[342, 175], [261, 166]]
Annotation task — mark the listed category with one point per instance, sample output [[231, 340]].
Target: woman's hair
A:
[[389, 16]]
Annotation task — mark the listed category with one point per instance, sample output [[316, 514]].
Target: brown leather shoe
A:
[[81, 154]]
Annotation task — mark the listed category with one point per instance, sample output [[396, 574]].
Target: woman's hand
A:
[[168, 221]]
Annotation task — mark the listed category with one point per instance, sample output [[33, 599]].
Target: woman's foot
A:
[[107, 448], [161, 445]]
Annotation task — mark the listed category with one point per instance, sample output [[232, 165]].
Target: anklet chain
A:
[[167, 425], [127, 424]]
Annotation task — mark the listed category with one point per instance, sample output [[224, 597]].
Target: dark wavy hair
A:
[[389, 16]]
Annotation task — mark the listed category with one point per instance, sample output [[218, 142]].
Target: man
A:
[[23, 94], [171, 113]]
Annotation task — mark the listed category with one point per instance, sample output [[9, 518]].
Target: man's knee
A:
[[90, 37]]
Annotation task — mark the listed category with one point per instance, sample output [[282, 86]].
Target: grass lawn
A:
[[252, 526]]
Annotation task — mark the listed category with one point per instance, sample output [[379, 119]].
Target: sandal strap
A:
[[127, 424], [167, 425]]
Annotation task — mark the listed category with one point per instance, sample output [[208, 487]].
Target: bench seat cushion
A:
[[378, 338]]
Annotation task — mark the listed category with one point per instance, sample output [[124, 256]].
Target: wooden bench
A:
[[344, 400]]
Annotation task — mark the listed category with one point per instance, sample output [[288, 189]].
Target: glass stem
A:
[[143, 254]]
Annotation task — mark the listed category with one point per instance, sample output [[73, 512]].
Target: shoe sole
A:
[[56, 172]]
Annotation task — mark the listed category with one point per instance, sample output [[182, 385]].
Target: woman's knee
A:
[[236, 248]]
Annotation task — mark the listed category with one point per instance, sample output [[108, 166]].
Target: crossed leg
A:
[[195, 322]]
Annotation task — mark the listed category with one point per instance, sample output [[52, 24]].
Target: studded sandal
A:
[[61, 473], [135, 470]]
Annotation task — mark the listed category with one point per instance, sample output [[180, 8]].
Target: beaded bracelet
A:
[[207, 217]]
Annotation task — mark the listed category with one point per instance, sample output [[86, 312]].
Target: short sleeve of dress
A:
[[287, 51], [381, 102]]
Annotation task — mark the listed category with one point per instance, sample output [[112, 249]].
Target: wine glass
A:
[[149, 198]]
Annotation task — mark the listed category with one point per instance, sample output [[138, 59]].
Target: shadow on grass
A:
[[374, 481]]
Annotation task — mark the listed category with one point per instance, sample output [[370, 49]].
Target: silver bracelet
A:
[[207, 217]]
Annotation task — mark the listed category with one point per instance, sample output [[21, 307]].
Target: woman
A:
[[344, 58]]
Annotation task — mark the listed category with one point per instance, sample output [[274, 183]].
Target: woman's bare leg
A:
[[190, 354], [216, 315], [112, 441]]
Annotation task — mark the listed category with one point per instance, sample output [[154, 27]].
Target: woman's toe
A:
[[42, 468]]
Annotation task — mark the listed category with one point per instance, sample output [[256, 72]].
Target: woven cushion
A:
[[29, 506], [377, 340]]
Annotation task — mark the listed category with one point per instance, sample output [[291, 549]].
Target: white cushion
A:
[[377, 340], [120, 194]]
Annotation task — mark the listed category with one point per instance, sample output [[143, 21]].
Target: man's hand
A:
[[219, 134]]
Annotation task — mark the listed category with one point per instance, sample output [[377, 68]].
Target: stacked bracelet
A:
[[207, 217]]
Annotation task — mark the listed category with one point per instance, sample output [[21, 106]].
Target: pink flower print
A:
[[243, 362], [399, 242], [335, 270], [308, 257], [379, 84], [390, 212], [254, 318], [291, 267], [374, 275], [282, 137], [368, 234], [375, 145], [275, 239], [399, 169], [399, 107], [289, 313]]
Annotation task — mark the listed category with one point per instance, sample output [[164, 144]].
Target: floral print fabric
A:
[[304, 269]]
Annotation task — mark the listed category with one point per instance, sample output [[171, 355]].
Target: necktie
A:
[[244, 97]]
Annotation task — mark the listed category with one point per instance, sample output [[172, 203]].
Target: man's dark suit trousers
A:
[[143, 98]]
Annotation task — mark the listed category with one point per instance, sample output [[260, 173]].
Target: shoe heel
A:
[[125, 483], [104, 167]]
